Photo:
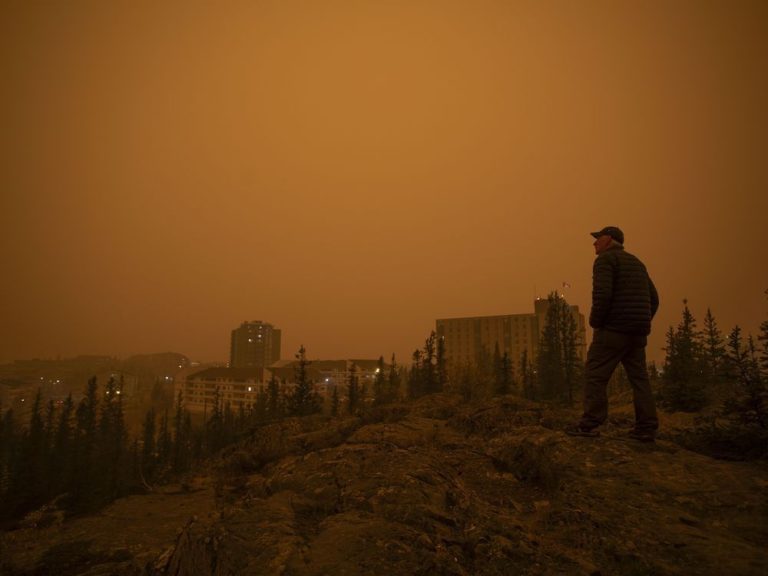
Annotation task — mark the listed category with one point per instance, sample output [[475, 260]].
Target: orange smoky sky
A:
[[352, 170]]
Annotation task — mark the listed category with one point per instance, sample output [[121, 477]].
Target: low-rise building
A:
[[235, 386], [241, 386]]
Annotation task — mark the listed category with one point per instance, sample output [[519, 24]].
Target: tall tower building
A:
[[255, 344]]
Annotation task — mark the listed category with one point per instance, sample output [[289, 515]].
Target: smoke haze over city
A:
[[352, 171]]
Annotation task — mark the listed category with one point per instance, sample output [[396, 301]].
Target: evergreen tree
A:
[[228, 425], [393, 381], [161, 401], [363, 391], [441, 365], [763, 338], [683, 382], [569, 338], [4, 441], [134, 466], [528, 376], [483, 374], [10, 445], [49, 480], [466, 389], [110, 446], [496, 368], [713, 349], [63, 451], [180, 437], [749, 404], [148, 460], [165, 440], [335, 401], [653, 373], [557, 361], [548, 363], [428, 365], [303, 401], [274, 406], [260, 406], [416, 384], [85, 443], [28, 486], [49, 429], [353, 391], [502, 373], [214, 434], [380, 392], [242, 417]]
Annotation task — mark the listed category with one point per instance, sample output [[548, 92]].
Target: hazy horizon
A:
[[352, 171]]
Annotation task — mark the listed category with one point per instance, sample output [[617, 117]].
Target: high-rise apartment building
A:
[[468, 339], [255, 344]]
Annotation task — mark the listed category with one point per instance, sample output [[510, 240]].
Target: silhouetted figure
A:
[[624, 301]]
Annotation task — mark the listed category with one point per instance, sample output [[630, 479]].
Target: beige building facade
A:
[[467, 340], [237, 387]]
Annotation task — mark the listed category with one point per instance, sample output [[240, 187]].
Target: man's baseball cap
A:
[[611, 231]]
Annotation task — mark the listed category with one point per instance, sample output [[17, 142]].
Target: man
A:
[[624, 301]]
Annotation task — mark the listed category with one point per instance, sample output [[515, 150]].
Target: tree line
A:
[[728, 374], [552, 374], [82, 453]]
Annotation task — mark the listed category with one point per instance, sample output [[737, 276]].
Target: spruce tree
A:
[[557, 361], [335, 401], [63, 453], [441, 365], [416, 384], [528, 376], [110, 446], [148, 461], [496, 368], [180, 438], [303, 401], [483, 374], [380, 395], [763, 339], [10, 446], [83, 481], [215, 426], [274, 406], [49, 481], [228, 424], [29, 488], [429, 368], [502, 373], [465, 387], [749, 405], [353, 390], [49, 428], [393, 381], [569, 339], [713, 349], [684, 374], [260, 406]]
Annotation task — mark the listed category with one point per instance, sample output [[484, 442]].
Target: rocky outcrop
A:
[[439, 487]]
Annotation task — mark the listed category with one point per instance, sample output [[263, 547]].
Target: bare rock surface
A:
[[435, 487], [121, 539]]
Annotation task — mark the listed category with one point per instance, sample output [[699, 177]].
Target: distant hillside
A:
[[433, 487]]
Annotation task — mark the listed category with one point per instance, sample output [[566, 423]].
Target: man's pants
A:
[[608, 348]]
